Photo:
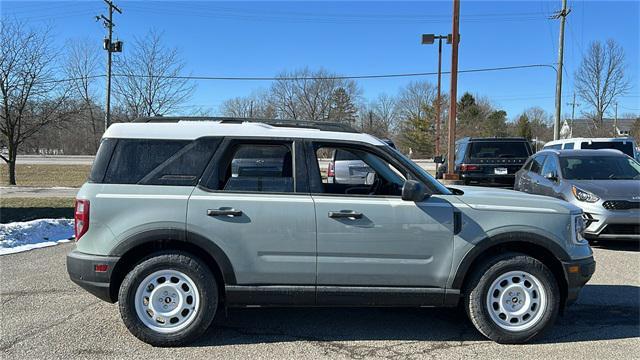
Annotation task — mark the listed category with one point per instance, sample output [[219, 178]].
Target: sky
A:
[[264, 38]]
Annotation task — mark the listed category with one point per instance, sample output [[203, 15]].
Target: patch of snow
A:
[[23, 236]]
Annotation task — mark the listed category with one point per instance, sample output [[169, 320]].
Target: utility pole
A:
[[450, 175], [562, 14], [429, 39], [615, 119], [111, 47], [573, 114]]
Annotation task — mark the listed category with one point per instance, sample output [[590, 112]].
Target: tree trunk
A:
[[12, 163], [12, 172]]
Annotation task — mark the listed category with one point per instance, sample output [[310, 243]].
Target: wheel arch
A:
[[137, 247], [541, 248]]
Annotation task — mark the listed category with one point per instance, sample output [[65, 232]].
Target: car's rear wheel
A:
[[168, 299], [512, 298]]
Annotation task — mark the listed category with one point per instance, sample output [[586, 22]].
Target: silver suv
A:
[[181, 219]]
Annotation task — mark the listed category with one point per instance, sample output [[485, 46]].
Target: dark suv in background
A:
[[490, 161]]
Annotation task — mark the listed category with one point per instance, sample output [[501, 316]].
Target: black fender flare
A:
[[166, 236], [505, 238]]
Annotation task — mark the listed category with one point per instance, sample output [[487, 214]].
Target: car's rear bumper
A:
[[488, 178], [87, 271], [577, 273]]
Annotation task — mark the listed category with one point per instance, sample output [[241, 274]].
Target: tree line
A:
[[52, 101]]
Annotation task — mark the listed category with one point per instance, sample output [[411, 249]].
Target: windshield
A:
[[599, 168], [499, 149], [433, 184], [625, 147]]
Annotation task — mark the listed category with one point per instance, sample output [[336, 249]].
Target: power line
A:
[[294, 78]]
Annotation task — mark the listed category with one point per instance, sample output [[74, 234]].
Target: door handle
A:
[[345, 214], [224, 212]]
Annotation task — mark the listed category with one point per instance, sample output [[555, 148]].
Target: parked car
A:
[[346, 167], [625, 144], [489, 161], [604, 183], [167, 228]]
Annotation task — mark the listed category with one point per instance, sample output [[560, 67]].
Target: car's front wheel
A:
[[168, 299], [512, 298]]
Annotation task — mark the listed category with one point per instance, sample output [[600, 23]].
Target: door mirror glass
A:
[[413, 191], [551, 176]]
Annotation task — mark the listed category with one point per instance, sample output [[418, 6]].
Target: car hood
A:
[[610, 189], [484, 198]]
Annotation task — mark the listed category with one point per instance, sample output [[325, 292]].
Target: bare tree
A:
[[308, 95], [147, 78], [415, 98], [541, 123], [256, 105], [30, 96], [82, 66], [380, 116], [601, 77]]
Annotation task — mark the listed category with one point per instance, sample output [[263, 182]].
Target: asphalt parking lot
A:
[[44, 315]]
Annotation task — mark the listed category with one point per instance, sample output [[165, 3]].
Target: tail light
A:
[[331, 170], [467, 167], [81, 217]]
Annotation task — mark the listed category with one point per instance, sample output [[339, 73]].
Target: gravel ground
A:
[[44, 315]]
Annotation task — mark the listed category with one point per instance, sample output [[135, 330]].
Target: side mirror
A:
[[413, 191], [438, 159], [551, 176]]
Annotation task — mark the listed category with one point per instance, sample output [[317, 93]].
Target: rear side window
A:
[[498, 149], [159, 162], [260, 168], [568, 146], [625, 147], [102, 160]]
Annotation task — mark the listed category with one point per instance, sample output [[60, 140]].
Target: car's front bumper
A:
[[92, 273], [577, 273], [612, 225]]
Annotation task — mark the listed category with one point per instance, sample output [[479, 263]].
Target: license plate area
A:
[[500, 171]]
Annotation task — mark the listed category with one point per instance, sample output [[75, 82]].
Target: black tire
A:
[[477, 287], [204, 282]]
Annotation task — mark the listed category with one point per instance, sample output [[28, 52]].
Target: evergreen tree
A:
[[342, 107], [417, 134], [495, 124], [523, 127]]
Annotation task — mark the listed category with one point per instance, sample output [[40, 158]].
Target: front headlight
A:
[[584, 195], [578, 230]]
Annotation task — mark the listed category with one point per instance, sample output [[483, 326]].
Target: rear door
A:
[[529, 178], [252, 204], [535, 174], [368, 236]]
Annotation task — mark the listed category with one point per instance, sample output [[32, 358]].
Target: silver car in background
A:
[[347, 168], [604, 183]]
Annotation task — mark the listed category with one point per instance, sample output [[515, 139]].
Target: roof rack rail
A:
[[319, 125]]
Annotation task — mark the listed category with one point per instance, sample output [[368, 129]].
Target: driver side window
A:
[[357, 171]]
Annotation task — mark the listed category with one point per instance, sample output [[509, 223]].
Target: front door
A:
[[251, 206], [368, 236]]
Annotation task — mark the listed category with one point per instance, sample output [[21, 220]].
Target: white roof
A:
[[189, 130], [580, 139]]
